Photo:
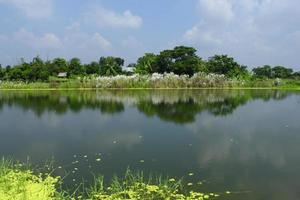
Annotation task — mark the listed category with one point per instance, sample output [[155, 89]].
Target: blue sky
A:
[[255, 32]]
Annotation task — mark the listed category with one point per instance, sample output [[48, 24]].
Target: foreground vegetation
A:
[[17, 182]]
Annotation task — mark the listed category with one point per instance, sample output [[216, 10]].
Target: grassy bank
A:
[[18, 182], [161, 81]]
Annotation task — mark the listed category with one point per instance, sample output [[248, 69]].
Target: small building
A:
[[62, 75]]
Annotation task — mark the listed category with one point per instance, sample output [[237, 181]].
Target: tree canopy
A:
[[267, 71], [179, 60], [223, 64]]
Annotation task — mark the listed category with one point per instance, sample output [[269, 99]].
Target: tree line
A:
[[180, 60]]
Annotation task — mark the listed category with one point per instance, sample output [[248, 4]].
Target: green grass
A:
[[136, 186], [18, 182], [156, 81]]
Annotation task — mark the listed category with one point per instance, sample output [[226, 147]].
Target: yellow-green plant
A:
[[18, 184], [135, 186]]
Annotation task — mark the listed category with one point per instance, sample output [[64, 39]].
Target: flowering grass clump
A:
[[166, 80], [17, 184], [151, 81], [22, 85]]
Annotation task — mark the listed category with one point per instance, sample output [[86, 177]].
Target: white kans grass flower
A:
[[155, 80]]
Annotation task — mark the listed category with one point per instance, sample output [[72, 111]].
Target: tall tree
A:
[[2, 73], [58, 65], [111, 66], [223, 64], [282, 72], [263, 72], [180, 60], [145, 64], [92, 68], [185, 61], [75, 67]]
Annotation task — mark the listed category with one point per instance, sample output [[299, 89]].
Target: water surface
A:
[[245, 141]]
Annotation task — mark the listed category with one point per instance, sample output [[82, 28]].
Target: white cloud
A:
[[216, 10], [48, 40], [256, 32], [103, 17], [74, 43], [101, 41], [35, 9], [74, 36], [196, 34]]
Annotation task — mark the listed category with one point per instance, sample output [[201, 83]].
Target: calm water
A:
[[245, 141]]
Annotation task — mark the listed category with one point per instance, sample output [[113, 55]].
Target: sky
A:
[[254, 32]]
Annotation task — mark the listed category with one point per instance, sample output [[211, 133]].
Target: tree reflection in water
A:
[[178, 106]]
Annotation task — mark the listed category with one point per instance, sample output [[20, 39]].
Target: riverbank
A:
[[155, 81], [19, 182]]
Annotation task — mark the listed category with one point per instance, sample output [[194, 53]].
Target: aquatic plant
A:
[[19, 183], [136, 186]]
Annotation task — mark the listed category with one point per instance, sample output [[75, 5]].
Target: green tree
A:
[[263, 72], [2, 73], [75, 67], [39, 71], [111, 66], [180, 60], [223, 64], [15, 74], [296, 75], [92, 68], [7, 68], [58, 65], [281, 72], [145, 64], [185, 61]]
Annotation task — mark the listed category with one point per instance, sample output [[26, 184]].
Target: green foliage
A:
[[263, 72], [296, 75], [180, 60], [223, 64], [267, 71], [2, 72], [75, 67], [136, 186], [92, 68], [111, 66], [146, 64], [199, 80], [20, 184], [281, 72], [58, 65]]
